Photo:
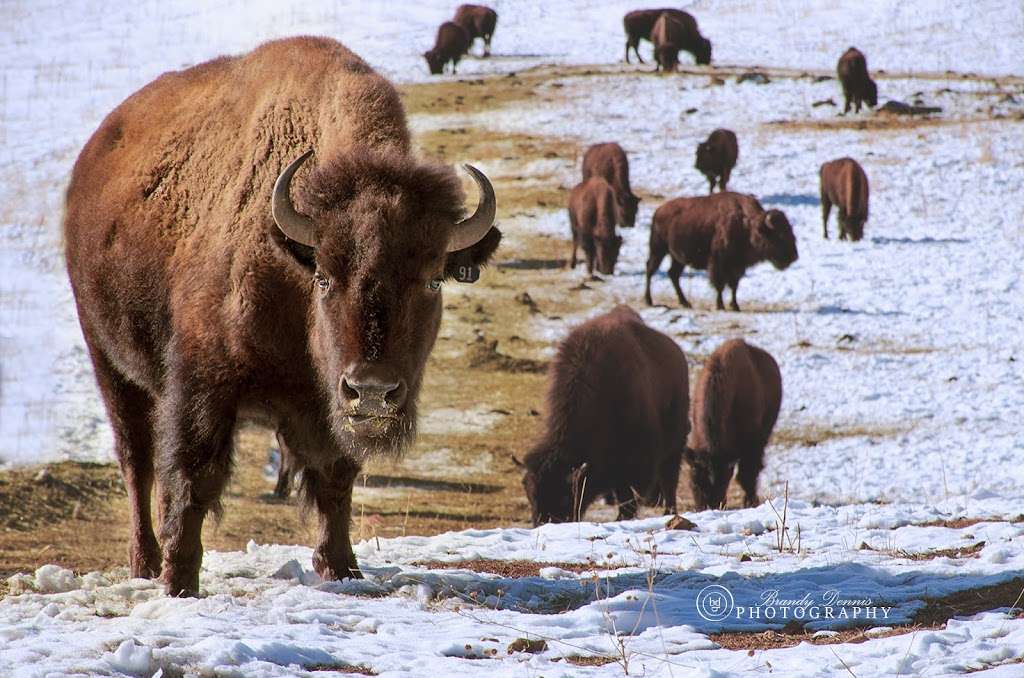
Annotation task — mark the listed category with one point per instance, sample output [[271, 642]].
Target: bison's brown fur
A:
[[845, 185], [609, 161], [451, 44], [735, 406], [200, 314], [616, 422], [478, 22], [639, 25], [592, 217], [724, 233], [858, 87], [716, 157]]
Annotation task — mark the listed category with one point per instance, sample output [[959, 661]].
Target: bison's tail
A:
[[714, 395]]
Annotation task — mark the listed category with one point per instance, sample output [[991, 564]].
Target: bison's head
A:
[[702, 52], [434, 61], [705, 162], [871, 93], [709, 479], [606, 252], [667, 57], [628, 204], [774, 238], [379, 235], [854, 227], [552, 488]]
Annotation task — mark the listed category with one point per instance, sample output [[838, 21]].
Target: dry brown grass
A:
[[815, 434]]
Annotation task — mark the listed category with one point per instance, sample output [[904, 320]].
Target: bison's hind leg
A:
[[748, 470], [826, 209], [674, 271], [130, 409], [657, 253]]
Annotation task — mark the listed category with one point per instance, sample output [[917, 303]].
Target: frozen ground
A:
[[901, 355]]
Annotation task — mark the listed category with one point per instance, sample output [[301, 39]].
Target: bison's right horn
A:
[[292, 223], [471, 230]]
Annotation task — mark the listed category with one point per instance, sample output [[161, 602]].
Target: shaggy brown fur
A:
[[639, 24], [735, 406], [616, 421], [200, 314], [725, 233], [479, 22], [451, 44], [845, 185], [609, 161], [716, 157], [858, 87], [592, 217]]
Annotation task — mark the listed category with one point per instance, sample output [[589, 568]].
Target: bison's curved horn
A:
[[293, 224], [469, 231]]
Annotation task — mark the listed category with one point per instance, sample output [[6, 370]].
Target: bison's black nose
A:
[[373, 391]]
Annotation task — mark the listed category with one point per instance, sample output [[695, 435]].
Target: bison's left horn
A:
[[292, 223], [471, 230]]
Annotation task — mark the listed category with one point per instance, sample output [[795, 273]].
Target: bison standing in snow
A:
[[858, 87], [592, 218], [609, 161], [724, 233], [716, 157], [845, 185], [451, 44], [616, 423], [254, 239], [478, 22], [735, 406], [639, 25]]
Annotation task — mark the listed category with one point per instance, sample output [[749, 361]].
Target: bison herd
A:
[[253, 239]]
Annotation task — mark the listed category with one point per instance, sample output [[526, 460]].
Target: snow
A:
[[901, 355]]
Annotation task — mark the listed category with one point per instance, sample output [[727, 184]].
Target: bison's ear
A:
[[460, 264], [519, 464], [303, 255]]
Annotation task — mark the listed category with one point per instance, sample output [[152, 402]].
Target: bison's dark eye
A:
[[435, 284], [322, 282]]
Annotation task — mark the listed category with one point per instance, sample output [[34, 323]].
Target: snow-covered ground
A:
[[901, 355]]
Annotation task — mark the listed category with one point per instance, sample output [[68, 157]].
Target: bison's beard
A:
[[363, 437]]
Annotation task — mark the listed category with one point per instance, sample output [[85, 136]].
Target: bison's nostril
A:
[[347, 391], [391, 393]]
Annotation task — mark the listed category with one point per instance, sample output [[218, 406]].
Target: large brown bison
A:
[[592, 217], [609, 161], [725, 233], [224, 273], [640, 23], [858, 87], [616, 423], [716, 157], [451, 44], [845, 185], [478, 22], [735, 406]]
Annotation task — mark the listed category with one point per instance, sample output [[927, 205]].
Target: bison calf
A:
[[844, 184], [716, 157], [724, 233], [858, 87], [639, 25], [592, 217], [451, 43], [609, 162], [735, 406], [616, 423], [478, 22]]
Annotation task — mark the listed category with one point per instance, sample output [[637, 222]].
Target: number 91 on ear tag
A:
[[467, 274]]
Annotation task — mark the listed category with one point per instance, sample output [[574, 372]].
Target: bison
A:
[[724, 233], [254, 239], [451, 44], [845, 185], [858, 87], [478, 22], [735, 406], [640, 23], [716, 157], [592, 217], [609, 161], [616, 423]]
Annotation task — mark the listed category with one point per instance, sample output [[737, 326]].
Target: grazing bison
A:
[[478, 22], [639, 25], [222, 276], [616, 423], [609, 161], [844, 184], [716, 157], [592, 217], [724, 233], [451, 44], [858, 87], [735, 406]]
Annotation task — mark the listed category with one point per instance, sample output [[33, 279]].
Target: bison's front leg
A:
[[331, 493], [674, 271]]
